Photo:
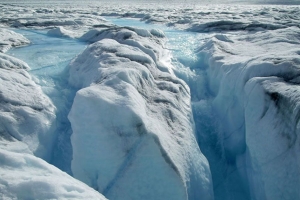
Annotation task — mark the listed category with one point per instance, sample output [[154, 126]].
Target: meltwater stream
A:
[[48, 57], [228, 184]]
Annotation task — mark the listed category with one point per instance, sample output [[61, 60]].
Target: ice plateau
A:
[[142, 111]]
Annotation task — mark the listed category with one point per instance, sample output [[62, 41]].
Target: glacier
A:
[[11, 39], [117, 100], [140, 117], [27, 138], [260, 129]]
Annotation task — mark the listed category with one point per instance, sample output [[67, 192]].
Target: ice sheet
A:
[[130, 108], [243, 81], [48, 57]]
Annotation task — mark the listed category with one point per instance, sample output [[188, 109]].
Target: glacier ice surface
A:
[[24, 176], [26, 113], [27, 124], [133, 134], [11, 39], [244, 88]]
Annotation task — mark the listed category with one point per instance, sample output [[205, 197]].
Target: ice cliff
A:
[[26, 133], [26, 113], [254, 87], [133, 132]]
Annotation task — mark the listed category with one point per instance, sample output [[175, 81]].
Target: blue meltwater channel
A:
[[48, 57], [190, 67]]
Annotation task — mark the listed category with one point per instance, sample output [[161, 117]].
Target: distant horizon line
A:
[[243, 2]]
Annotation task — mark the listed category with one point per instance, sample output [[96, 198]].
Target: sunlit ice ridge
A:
[[148, 101]]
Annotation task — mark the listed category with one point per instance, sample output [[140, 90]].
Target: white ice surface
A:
[[10, 39], [48, 57], [26, 133], [253, 79], [133, 133], [24, 176], [26, 113], [245, 93], [61, 32]]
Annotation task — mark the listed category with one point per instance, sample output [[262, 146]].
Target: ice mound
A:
[[24, 176], [9, 63], [194, 17], [55, 19], [10, 39], [76, 19], [133, 133], [60, 32], [27, 123], [226, 25], [150, 44], [157, 33], [254, 83], [26, 113], [213, 18]]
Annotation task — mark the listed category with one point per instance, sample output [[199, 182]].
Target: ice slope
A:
[[253, 80], [24, 176], [250, 41], [133, 133], [26, 113], [61, 32], [26, 133], [48, 57], [11, 39]]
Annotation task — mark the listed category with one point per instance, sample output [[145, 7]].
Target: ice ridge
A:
[[122, 88]]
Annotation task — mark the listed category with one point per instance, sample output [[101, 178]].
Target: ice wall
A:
[[26, 113], [24, 176], [133, 132], [27, 127], [253, 82]]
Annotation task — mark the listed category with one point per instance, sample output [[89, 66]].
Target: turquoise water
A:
[[182, 44], [48, 58], [46, 55], [189, 66]]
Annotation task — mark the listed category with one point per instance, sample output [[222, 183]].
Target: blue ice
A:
[[227, 183], [48, 57]]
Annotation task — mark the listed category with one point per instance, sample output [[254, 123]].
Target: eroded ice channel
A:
[[190, 67], [48, 57]]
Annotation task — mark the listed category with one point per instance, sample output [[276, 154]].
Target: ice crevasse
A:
[[133, 128], [133, 132], [26, 140], [254, 85]]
